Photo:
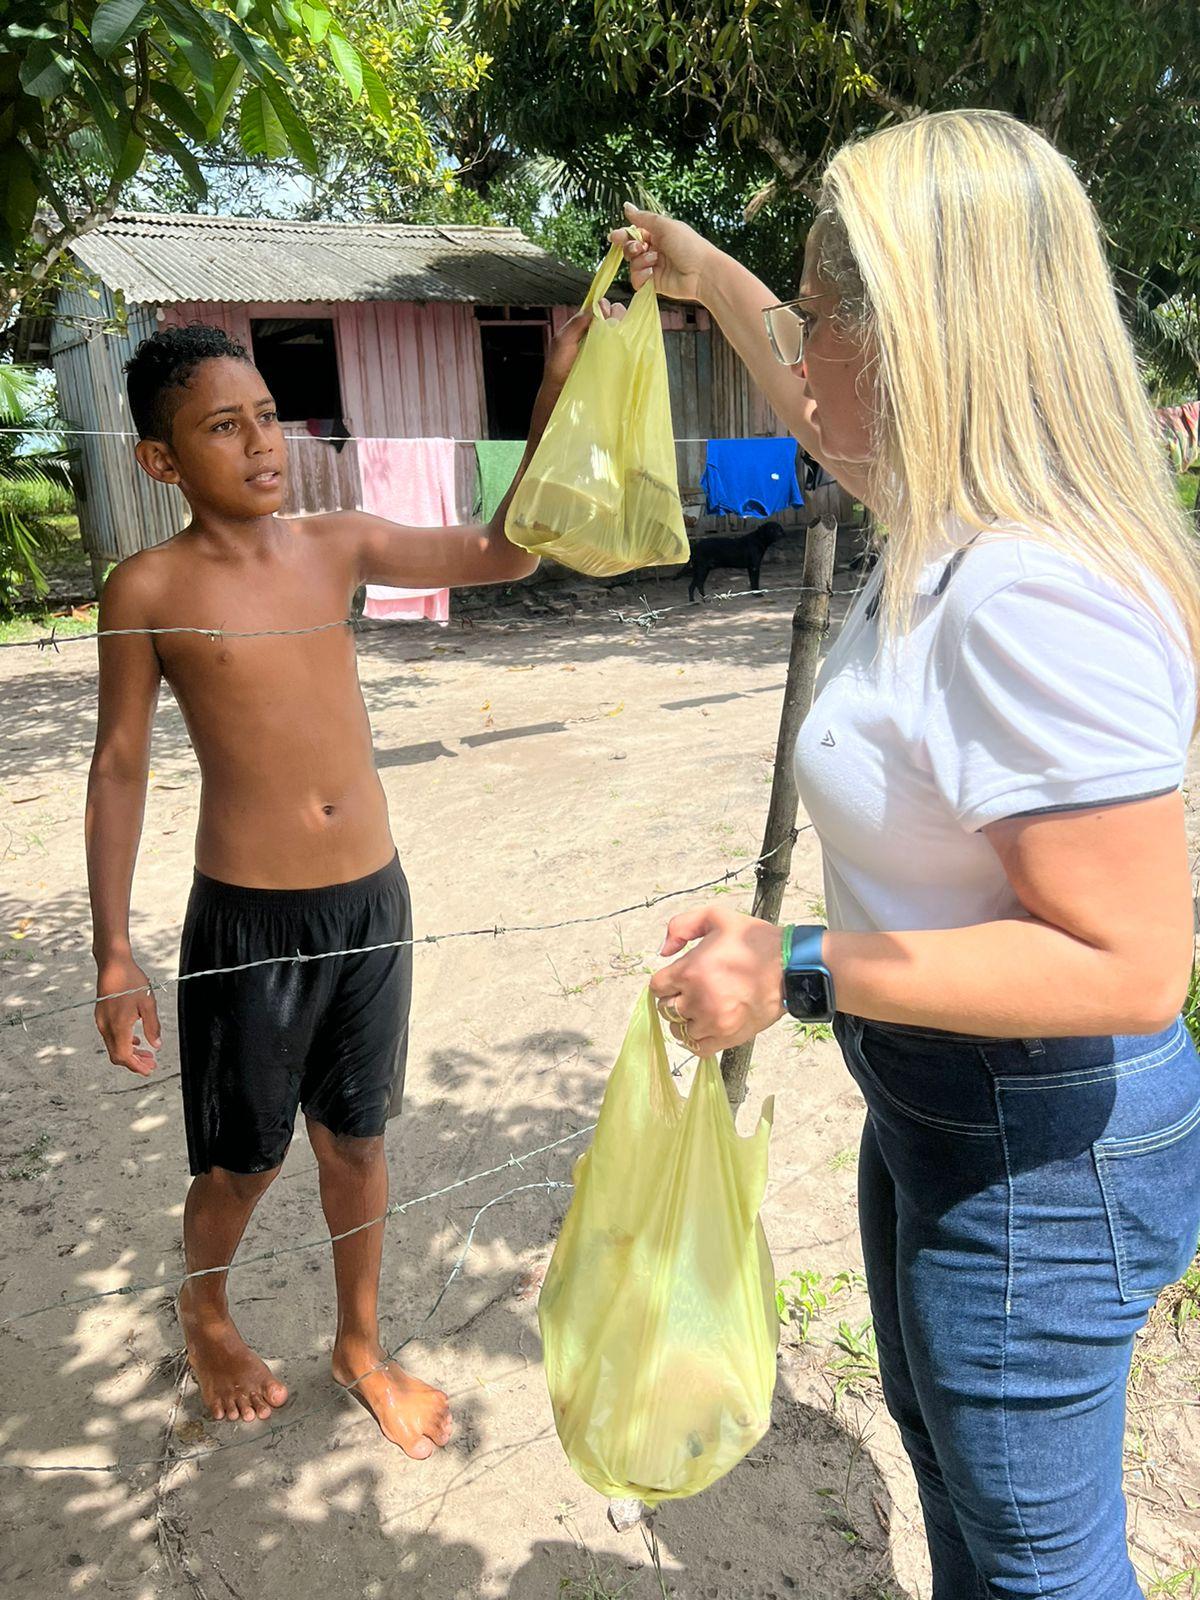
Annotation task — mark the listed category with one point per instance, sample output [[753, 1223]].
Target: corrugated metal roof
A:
[[161, 259]]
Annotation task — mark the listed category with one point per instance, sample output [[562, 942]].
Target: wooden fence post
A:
[[810, 622]]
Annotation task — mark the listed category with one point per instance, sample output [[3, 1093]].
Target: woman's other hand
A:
[[675, 255], [726, 989]]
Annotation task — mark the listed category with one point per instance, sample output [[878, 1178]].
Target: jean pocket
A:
[[1152, 1197]]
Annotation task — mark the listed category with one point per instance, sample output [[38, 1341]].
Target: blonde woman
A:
[[993, 764]]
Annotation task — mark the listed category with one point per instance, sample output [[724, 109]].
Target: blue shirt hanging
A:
[[750, 477]]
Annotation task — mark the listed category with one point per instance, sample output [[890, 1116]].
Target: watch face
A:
[[809, 996]]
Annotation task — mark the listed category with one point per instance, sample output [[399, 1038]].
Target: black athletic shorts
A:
[[330, 1036]]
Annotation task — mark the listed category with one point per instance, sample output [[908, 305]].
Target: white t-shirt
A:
[[1026, 683]]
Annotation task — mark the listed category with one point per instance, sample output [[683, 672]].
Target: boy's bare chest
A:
[[271, 635]]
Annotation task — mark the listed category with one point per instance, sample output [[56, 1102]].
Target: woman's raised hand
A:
[[675, 255]]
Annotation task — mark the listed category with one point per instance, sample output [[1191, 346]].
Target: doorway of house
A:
[[513, 345]]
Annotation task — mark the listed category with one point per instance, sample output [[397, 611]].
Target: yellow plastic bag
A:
[[601, 494], [658, 1311]]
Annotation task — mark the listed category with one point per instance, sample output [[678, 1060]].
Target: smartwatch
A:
[[807, 982]]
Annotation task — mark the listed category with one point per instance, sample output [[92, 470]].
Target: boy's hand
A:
[[566, 344], [117, 1020]]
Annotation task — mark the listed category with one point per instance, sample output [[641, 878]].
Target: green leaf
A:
[[298, 137], [18, 199], [348, 63], [254, 52], [229, 75], [193, 44], [180, 155], [48, 191], [111, 118], [132, 155], [42, 31], [379, 100], [45, 71], [261, 130], [317, 20], [172, 103], [116, 22]]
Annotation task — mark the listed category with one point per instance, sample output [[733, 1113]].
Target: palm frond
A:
[[1168, 341]]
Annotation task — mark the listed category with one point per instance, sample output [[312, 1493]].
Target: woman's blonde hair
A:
[[967, 252]]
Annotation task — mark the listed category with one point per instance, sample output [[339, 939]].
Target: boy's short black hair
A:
[[165, 361]]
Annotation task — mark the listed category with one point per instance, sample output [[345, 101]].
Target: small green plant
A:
[[595, 1582], [857, 1368], [803, 1295], [1185, 1584], [31, 1163], [805, 1034], [1191, 1006], [843, 1160], [816, 908], [1179, 1306]]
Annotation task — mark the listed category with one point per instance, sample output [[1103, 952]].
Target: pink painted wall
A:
[[408, 371]]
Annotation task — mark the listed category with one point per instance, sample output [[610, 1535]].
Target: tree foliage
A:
[[34, 480], [755, 95], [99, 96]]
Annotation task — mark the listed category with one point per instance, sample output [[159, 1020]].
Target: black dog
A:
[[739, 550]]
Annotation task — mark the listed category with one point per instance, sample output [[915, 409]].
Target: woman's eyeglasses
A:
[[788, 325]]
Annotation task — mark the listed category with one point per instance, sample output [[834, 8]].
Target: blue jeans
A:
[[1022, 1202]]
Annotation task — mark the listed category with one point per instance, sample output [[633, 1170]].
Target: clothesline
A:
[[336, 438]]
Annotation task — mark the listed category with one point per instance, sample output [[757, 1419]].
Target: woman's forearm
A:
[[737, 299], [1011, 979]]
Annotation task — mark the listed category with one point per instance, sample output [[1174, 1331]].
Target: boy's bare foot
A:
[[234, 1383], [409, 1412]]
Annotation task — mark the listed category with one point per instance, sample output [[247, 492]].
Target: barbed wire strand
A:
[[54, 641], [170, 1459], [645, 618], [21, 1019], [397, 1208], [68, 432], [648, 616]]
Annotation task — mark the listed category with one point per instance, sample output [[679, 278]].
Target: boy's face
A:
[[226, 450]]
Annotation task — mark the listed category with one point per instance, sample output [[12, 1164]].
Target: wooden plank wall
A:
[[121, 510]]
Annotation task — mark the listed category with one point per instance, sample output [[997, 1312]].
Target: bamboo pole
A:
[[810, 621]]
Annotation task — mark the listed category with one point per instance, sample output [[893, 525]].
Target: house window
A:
[[513, 344], [297, 357]]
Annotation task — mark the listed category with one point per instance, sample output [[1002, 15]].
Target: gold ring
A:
[[671, 1013]]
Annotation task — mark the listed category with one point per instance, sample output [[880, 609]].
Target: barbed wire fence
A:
[[19, 1018], [644, 617]]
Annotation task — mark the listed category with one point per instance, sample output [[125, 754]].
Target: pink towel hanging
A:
[[409, 481]]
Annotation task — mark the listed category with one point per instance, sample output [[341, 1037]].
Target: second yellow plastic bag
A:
[[658, 1312], [601, 494]]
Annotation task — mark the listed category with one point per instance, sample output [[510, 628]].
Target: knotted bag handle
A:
[[606, 272]]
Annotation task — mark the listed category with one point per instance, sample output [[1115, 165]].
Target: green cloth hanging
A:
[[498, 461]]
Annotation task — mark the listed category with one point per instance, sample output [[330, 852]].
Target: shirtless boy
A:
[[293, 848]]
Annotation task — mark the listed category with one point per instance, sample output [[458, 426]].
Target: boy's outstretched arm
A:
[[442, 558], [116, 802]]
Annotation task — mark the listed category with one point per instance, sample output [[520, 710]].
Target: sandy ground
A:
[[536, 769]]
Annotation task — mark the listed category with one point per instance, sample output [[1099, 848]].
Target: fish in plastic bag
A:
[[658, 1314], [601, 494]]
